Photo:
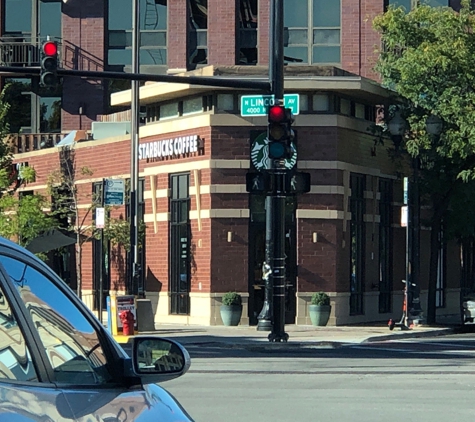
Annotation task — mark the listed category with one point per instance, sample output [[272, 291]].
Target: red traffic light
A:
[[276, 113], [50, 48]]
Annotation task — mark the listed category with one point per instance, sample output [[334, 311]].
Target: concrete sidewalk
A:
[[298, 335]]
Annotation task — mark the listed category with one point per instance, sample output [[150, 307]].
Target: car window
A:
[[15, 358], [70, 341]]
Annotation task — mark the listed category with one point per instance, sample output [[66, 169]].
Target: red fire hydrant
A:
[[128, 322]]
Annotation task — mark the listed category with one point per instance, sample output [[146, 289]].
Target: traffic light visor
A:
[[50, 48], [276, 113]]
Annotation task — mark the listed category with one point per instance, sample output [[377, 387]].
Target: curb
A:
[[412, 334]]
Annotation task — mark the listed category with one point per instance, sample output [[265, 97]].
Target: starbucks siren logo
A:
[[260, 154]]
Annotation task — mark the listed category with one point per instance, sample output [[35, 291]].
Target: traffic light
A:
[[49, 64], [279, 132]]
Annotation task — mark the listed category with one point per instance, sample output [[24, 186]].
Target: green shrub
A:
[[232, 298], [320, 298]]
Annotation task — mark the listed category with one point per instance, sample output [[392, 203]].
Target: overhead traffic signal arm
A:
[[279, 132], [49, 64]]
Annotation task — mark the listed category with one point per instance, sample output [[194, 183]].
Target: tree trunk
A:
[[79, 266]]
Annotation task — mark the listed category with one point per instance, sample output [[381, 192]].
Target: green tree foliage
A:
[[21, 216], [428, 59]]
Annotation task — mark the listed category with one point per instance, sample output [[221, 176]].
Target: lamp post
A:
[[397, 127]]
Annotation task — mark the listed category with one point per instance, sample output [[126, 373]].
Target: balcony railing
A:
[[32, 141], [20, 51]]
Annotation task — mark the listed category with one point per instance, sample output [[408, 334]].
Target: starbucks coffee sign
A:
[[174, 147]]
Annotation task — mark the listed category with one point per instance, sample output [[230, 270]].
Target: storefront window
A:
[[193, 105]]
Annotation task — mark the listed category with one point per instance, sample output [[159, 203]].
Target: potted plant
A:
[[319, 309], [231, 309]]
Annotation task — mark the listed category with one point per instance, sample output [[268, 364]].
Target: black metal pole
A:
[[264, 320], [101, 258], [265, 316], [416, 224], [278, 333], [134, 158]]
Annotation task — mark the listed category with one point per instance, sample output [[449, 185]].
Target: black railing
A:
[[20, 51]]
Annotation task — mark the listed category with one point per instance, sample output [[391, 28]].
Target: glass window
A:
[[50, 19], [15, 359], [168, 110], [18, 16], [312, 31], [70, 342], [321, 102], [226, 102], [193, 105], [296, 13], [326, 13]]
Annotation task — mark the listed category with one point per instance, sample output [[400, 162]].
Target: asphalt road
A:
[[423, 380]]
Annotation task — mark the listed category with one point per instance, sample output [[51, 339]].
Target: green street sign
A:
[[257, 105]]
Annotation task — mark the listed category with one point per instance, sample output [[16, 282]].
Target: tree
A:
[[74, 208], [428, 60], [21, 216]]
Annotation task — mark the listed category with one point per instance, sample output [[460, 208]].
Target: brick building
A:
[[344, 237]]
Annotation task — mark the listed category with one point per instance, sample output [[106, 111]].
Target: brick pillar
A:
[[263, 32], [222, 32], [178, 25], [83, 49], [370, 38], [351, 15]]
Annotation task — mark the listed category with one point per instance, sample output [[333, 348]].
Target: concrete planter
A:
[[319, 314], [231, 314]]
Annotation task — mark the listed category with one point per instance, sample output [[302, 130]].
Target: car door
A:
[[79, 357], [26, 392]]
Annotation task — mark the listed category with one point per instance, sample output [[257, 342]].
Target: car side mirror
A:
[[157, 359]]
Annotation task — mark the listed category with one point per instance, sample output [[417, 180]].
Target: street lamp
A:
[[397, 127]]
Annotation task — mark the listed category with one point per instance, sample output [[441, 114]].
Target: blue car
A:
[[58, 363]]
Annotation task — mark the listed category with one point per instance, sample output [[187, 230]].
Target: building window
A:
[[180, 234], [248, 19], [357, 244], [409, 4], [198, 34], [312, 33], [192, 105], [153, 33], [226, 102], [385, 241]]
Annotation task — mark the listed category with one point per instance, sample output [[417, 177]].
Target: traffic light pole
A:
[[277, 204], [135, 289]]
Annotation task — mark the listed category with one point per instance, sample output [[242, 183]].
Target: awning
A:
[[67, 140], [50, 240]]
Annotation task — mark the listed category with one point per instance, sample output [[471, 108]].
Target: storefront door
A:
[[257, 235]]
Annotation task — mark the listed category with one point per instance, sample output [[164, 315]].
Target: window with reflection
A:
[[198, 32], [248, 23], [153, 32], [15, 359], [312, 31], [71, 343]]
